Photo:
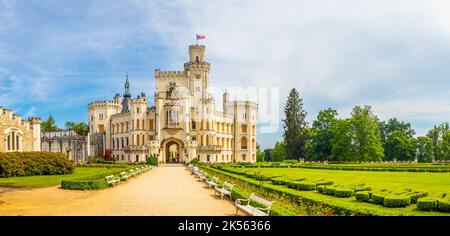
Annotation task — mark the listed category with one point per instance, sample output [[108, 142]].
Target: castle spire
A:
[[127, 88]]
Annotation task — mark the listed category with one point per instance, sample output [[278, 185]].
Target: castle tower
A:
[[226, 98], [197, 54]]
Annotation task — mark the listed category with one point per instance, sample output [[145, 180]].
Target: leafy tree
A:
[[80, 128], [260, 155], [322, 134], [342, 148], [424, 149], [445, 145], [295, 133], [357, 138], [398, 140], [49, 125], [436, 135], [366, 138], [278, 153], [267, 154], [400, 146]]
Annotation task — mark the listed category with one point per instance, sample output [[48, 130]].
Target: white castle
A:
[[184, 123]]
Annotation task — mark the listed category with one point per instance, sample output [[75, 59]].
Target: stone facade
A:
[[17, 135], [183, 123]]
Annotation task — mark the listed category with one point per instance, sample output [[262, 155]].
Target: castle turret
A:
[[226, 97], [35, 124], [196, 54]]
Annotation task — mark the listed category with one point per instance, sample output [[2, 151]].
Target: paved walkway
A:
[[163, 191]]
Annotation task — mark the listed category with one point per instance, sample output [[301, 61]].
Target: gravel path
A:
[[163, 191]]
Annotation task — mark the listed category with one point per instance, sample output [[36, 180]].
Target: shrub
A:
[[34, 163], [443, 205], [362, 188], [83, 184], [377, 198], [343, 192], [320, 188], [324, 182], [194, 161], [427, 204], [414, 196], [363, 196], [305, 186], [152, 160], [396, 201], [329, 190]]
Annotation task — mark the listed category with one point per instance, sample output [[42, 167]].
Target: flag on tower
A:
[[200, 37]]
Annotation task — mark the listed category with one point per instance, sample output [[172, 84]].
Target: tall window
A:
[[243, 143], [244, 129], [137, 124], [14, 140], [194, 125]]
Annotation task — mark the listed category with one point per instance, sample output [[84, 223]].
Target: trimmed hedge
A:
[[82, 184], [34, 163], [427, 204], [363, 196], [343, 192], [396, 201], [416, 195], [377, 198], [443, 205]]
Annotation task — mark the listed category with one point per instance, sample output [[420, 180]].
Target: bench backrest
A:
[[214, 179], [228, 186], [123, 173], [262, 201], [109, 177]]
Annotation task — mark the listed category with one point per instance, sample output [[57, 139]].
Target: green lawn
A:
[[52, 180], [434, 183]]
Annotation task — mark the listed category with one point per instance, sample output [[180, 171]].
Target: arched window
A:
[[253, 144], [137, 123], [122, 143], [243, 143], [143, 139], [13, 139], [197, 59]]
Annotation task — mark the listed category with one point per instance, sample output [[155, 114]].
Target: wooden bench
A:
[[111, 180], [225, 189], [245, 205], [124, 175], [212, 182]]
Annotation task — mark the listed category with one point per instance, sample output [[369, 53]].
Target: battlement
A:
[[169, 74], [103, 104], [197, 46]]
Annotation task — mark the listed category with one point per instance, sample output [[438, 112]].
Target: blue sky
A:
[[57, 56]]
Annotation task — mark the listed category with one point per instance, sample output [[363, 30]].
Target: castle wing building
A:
[[17, 135], [182, 125]]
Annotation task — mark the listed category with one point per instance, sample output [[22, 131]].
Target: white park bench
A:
[[124, 175], [225, 189], [111, 180], [212, 182], [132, 173], [138, 171], [204, 176], [244, 205]]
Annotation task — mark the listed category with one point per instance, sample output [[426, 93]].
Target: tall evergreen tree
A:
[[295, 126], [49, 125]]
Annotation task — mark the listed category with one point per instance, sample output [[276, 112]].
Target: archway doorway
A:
[[172, 152]]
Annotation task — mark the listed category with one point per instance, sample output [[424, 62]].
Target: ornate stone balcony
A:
[[212, 149]]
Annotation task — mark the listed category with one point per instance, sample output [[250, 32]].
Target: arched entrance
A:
[[172, 152]]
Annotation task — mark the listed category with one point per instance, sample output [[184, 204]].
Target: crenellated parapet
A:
[[170, 74], [104, 104]]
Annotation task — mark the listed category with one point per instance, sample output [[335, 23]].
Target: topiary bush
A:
[[343, 192], [363, 196], [84, 184], [34, 163], [414, 196], [329, 190], [396, 201], [427, 204], [443, 205], [377, 198]]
